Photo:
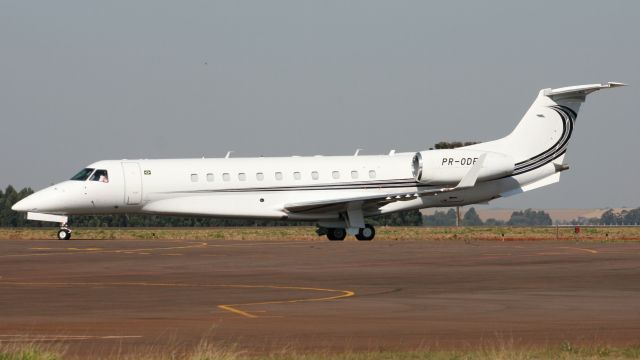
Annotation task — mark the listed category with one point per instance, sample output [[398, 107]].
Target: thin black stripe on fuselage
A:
[[566, 114]]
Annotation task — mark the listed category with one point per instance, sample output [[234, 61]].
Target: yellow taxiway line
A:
[[13, 338], [234, 307], [340, 294], [143, 251]]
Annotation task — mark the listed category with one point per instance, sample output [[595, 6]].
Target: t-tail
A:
[[539, 142]]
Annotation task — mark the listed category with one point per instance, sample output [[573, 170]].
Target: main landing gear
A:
[[65, 232], [336, 234], [366, 233]]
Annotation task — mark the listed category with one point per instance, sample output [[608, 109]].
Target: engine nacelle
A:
[[449, 166]]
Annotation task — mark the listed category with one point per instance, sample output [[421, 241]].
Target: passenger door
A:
[[132, 183]]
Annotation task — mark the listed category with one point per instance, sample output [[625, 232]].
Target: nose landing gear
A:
[[65, 232]]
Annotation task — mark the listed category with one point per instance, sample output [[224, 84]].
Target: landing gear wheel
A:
[[336, 234], [64, 234], [366, 233]]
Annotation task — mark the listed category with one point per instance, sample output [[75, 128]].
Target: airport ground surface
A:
[[113, 296]]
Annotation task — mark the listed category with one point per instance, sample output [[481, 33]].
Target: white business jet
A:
[[335, 192]]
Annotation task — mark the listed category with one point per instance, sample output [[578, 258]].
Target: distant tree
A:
[[632, 217], [494, 222], [529, 217], [453, 144], [440, 218], [8, 217], [581, 220], [401, 218], [624, 217], [609, 217], [471, 218]]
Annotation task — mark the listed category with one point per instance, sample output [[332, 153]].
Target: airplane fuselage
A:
[[244, 187]]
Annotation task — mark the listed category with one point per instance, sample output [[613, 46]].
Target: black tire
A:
[[367, 233], [336, 234], [64, 234]]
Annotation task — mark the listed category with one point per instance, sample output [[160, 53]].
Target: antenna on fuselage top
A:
[[228, 154], [357, 152], [392, 152]]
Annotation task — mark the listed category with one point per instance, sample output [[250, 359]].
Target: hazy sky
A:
[[85, 80]]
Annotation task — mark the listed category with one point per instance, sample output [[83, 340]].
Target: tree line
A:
[[625, 217], [526, 217]]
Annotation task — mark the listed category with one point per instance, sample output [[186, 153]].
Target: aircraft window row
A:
[[315, 175], [90, 174]]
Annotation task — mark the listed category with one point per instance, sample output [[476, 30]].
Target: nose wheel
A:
[[64, 233]]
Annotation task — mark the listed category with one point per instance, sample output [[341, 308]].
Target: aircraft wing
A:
[[337, 205], [379, 200]]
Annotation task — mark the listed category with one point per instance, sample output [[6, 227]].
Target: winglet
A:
[[616, 84], [470, 178]]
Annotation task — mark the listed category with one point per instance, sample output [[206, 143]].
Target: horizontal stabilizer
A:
[[581, 89]]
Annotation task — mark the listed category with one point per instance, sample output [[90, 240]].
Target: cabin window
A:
[[315, 175], [242, 176], [372, 174], [335, 175], [210, 177], [278, 175], [354, 174], [194, 177], [82, 175], [226, 177], [296, 175], [259, 176], [100, 175]]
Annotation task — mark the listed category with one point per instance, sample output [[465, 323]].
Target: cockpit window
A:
[[82, 175], [100, 175]]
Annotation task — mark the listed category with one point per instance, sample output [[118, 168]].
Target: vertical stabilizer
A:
[[543, 134]]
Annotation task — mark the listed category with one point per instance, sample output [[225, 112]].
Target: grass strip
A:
[[308, 233]]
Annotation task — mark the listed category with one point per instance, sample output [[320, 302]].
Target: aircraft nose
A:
[[27, 204], [43, 200], [20, 205]]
